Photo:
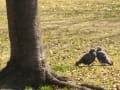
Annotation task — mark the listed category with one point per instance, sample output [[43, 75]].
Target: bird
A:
[[102, 56], [88, 58]]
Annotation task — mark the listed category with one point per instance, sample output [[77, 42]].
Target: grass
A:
[[70, 29]]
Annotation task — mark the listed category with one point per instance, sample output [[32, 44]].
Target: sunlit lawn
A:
[[70, 29]]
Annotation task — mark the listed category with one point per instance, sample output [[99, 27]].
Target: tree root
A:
[[93, 87], [53, 78], [6, 71], [18, 79]]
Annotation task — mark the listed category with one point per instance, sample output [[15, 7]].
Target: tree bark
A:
[[24, 32], [27, 65], [25, 38]]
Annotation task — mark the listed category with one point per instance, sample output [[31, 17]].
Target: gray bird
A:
[[88, 58], [103, 57]]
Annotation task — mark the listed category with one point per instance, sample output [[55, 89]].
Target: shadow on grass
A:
[[92, 66]]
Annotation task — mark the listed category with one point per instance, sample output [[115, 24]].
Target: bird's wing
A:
[[83, 59], [86, 56], [103, 58], [101, 55]]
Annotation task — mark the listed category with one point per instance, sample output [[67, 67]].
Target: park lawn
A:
[[70, 29]]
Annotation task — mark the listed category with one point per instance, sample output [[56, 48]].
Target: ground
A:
[[70, 29]]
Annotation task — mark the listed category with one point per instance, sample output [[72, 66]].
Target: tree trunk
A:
[[27, 65], [24, 32]]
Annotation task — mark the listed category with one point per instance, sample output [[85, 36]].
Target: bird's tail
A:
[[77, 63], [110, 63]]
